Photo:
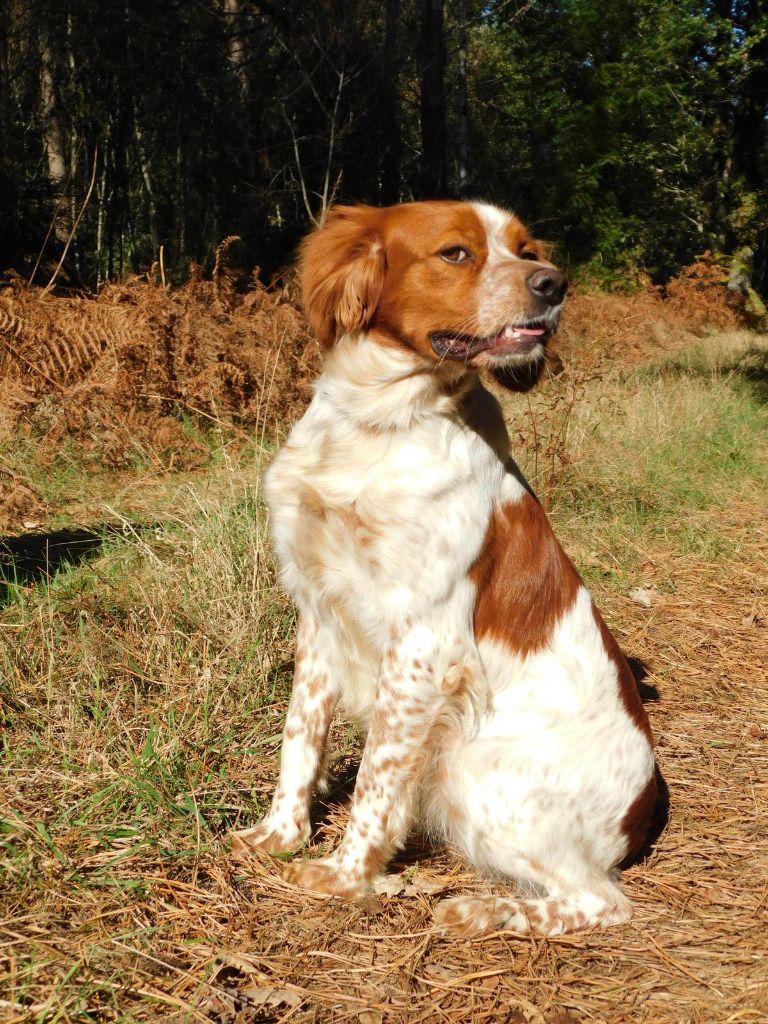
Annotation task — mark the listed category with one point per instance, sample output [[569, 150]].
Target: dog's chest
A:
[[373, 522]]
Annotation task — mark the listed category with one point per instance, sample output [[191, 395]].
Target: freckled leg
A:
[[315, 692], [408, 705]]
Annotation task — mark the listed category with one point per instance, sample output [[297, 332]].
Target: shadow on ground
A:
[[31, 557]]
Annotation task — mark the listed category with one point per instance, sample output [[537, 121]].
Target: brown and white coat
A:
[[436, 608]]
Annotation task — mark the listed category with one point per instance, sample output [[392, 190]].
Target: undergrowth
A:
[[143, 693], [632, 460]]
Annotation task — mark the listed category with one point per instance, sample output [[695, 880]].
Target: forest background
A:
[[633, 133], [147, 374]]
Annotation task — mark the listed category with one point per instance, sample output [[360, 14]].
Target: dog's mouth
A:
[[519, 340]]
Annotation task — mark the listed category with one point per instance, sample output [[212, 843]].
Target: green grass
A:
[[652, 459], [126, 682]]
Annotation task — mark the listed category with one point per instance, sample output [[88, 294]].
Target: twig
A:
[[74, 226], [59, 203], [331, 146], [297, 156]]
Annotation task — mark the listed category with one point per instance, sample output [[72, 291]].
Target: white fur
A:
[[380, 501]]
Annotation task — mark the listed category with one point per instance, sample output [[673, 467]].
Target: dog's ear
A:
[[342, 266], [527, 375]]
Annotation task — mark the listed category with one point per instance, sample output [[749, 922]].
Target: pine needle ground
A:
[[143, 696]]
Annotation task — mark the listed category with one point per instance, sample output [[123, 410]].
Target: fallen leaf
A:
[[426, 885], [240, 963], [756, 618], [393, 885], [269, 996], [389, 885], [370, 905], [644, 596]]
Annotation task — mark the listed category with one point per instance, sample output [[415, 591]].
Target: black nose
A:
[[549, 285]]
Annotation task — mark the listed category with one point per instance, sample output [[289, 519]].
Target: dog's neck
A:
[[383, 387]]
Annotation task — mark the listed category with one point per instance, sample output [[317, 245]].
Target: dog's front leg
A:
[[313, 698], [409, 699]]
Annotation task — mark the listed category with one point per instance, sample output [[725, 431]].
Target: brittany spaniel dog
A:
[[436, 609]]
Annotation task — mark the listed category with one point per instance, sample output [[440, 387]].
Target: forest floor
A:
[[143, 691]]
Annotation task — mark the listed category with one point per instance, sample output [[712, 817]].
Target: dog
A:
[[435, 606]]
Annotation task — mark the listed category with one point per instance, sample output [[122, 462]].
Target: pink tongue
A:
[[528, 330]]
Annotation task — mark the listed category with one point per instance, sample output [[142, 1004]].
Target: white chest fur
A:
[[376, 514], [377, 522]]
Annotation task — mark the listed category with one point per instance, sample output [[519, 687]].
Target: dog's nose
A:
[[549, 285]]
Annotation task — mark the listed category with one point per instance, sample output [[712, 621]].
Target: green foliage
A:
[[636, 134]]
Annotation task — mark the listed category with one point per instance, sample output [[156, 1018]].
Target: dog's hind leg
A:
[[576, 893], [546, 915]]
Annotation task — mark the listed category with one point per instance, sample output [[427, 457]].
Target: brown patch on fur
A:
[[311, 501], [630, 695], [636, 822], [376, 858], [364, 530], [315, 685], [524, 579]]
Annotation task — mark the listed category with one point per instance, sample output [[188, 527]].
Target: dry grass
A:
[[143, 698]]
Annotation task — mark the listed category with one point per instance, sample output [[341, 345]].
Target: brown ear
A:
[[342, 272]]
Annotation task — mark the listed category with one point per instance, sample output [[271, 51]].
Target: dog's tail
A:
[[546, 915]]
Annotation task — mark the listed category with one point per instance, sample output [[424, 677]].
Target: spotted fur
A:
[[436, 607]]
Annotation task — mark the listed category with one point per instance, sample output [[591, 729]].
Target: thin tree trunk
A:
[[131, 98], [432, 59], [101, 193], [722, 147], [181, 203], [146, 177], [462, 128], [53, 135], [392, 154], [233, 19], [5, 79]]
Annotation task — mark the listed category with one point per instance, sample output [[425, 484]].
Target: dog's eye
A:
[[456, 254], [529, 254]]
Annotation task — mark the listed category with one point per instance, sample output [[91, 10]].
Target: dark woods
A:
[[632, 132]]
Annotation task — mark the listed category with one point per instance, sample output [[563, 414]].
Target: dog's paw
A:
[[326, 875], [463, 915], [271, 837]]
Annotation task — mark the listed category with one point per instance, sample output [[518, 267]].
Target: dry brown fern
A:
[[114, 371], [224, 277]]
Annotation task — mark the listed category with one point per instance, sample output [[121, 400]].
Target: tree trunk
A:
[[146, 177], [53, 136], [462, 127], [5, 80], [9, 204], [432, 59], [750, 128], [233, 20], [392, 149]]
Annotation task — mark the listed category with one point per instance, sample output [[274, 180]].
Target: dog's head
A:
[[453, 282]]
